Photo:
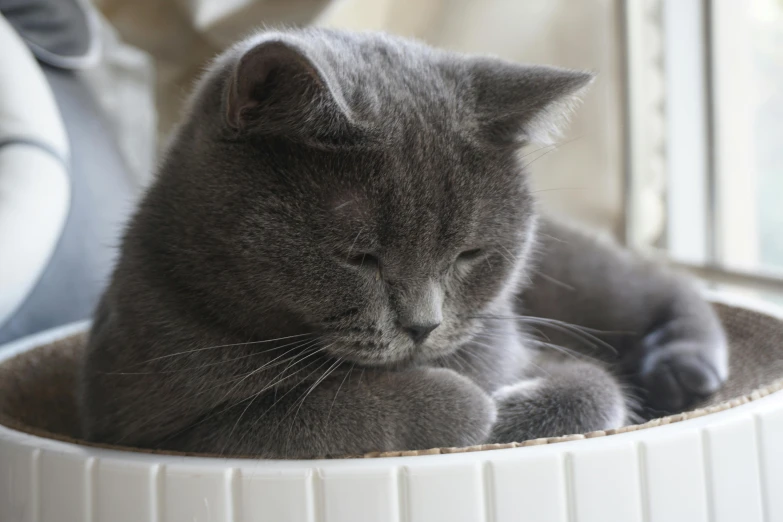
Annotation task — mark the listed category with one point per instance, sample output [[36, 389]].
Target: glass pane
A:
[[748, 83], [768, 127]]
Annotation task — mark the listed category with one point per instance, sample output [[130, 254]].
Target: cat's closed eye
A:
[[363, 260], [469, 255]]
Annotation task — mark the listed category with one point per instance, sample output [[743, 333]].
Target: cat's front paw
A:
[[574, 397], [678, 373], [444, 409]]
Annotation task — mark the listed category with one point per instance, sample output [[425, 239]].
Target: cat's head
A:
[[363, 187]]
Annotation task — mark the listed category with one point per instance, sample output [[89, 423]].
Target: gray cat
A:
[[341, 254]]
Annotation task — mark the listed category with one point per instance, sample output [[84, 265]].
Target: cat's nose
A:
[[419, 332]]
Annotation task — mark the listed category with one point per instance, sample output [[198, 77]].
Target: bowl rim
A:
[[752, 404]]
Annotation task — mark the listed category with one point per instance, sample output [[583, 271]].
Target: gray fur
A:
[[568, 397], [322, 200]]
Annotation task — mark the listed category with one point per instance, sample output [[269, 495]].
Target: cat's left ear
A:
[[277, 87], [520, 104]]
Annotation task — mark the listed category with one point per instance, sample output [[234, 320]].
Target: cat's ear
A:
[[277, 88], [519, 104]]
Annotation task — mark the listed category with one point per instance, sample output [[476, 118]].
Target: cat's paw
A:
[[574, 397], [677, 374], [445, 409]]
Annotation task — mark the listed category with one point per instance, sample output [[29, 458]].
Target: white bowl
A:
[[725, 466]]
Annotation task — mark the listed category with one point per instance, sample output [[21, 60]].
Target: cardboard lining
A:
[[38, 387]]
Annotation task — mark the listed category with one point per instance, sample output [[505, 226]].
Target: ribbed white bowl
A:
[[722, 467]]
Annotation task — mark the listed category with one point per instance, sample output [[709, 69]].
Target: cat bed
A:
[[721, 462]]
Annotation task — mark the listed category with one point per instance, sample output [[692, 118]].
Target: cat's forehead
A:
[[409, 171], [422, 192]]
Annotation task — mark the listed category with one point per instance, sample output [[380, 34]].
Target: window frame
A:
[[674, 44]]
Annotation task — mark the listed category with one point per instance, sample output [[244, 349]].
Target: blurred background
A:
[[677, 150]]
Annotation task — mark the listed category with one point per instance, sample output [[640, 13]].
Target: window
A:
[[705, 104]]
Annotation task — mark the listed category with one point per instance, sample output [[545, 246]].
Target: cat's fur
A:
[[248, 316]]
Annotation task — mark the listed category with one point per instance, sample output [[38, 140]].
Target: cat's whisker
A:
[[317, 382], [239, 419], [562, 349], [562, 323], [345, 204], [301, 401], [584, 329], [514, 256], [523, 338], [525, 155], [556, 281], [250, 403], [540, 333], [506, 258], [467, 362], [551, 148], [299, 345], [527, 329], [557, 145], [489, 347], [348, 373], [582, 333], [294, 359], [263, 367], [350, 250], [553, 238], [566, 351], [274, 382], [454, 357], [526, 165], [235, 404], [586, 338], [290, 389], [167, 356]]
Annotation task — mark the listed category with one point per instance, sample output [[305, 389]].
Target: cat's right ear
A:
[[521, 104], [276, 88]]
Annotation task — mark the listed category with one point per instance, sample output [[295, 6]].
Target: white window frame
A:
[[683, 112]]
